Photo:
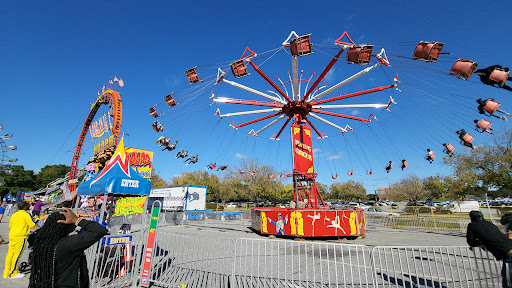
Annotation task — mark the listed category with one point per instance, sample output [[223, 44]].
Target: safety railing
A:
[[282, 263], [422, 222], [434, 267], [186, 260], [112, 260]]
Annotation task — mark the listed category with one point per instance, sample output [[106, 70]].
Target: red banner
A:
[[302, 149], [148, 255]]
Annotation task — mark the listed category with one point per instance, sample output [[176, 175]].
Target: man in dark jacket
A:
[[58, 259], [481, 232]]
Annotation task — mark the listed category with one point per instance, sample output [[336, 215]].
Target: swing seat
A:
[[405, 164], [450, 147], [239, 68], [428, 51], [192, 75], [468, 138], [360, 54], [252, 173], [483, 124], [334, 176], [157, 126], [491, 106], [301, 46], [152, 112], [463, 68], [169, 99], [271, 176], [499, 76], [431, 155]]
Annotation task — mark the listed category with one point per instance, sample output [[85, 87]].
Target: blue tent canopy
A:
[[116, 178], [117, 183]]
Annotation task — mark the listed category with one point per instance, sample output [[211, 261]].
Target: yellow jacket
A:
[[20, 225]]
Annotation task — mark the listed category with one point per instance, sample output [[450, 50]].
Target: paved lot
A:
[[241, 229]]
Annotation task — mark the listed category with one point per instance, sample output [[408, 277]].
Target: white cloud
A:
[[330, 75], [316, 150], [329, 40], [240, 156], [355, 112], [336, 156]]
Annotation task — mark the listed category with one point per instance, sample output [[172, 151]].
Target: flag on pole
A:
[[103, 89], [115, 79], [110, 82], [121, 82]]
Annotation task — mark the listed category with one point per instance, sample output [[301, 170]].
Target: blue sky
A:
[[57, 55]]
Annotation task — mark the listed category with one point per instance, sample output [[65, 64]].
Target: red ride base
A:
[[309, 222]]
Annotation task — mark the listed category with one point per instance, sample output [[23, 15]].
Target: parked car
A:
[[460, 207], [376, 211]]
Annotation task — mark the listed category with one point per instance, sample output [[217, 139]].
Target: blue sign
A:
[[119, 240]]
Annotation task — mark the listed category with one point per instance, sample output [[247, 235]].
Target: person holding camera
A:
[[58, 259]]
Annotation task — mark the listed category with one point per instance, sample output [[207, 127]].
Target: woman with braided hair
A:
[[57, 258]]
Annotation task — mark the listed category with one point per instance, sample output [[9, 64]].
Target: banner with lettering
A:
[[150, 243], [129, 205], [302, 149], [141, 161]]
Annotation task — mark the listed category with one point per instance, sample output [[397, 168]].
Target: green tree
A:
[[21, 180], [259, 185], [157, 180], [408, 189], [50, 173], [348, 191], [484, 168], [216, 189]]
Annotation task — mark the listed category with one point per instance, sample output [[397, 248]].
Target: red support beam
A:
[[326, 70], [339, 115], [250, 102], [262, 74], [313, 126], [259, 119], [282, 128], [353, 94]]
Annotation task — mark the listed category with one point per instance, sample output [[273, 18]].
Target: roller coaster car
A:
[[427, 51], [463, 68], [360, 54], [169, 99], [500, 76], [157, 126], [153, 112], [483, 124], [192, 75], [301, 46], [239, 68]]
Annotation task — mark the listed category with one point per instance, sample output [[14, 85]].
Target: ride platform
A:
[[309, 222]]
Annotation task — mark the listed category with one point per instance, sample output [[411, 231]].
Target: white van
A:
[[462, 206]]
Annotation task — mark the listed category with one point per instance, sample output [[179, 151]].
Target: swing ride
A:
[[308, 104]]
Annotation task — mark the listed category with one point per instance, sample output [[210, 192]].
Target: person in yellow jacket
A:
[[19, 225]]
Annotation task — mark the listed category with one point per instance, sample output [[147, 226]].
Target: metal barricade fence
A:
[[283, 263], [186, 260], [112, 263], [427, 223], [435, 267]]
